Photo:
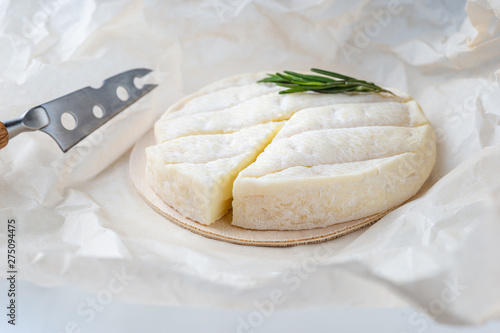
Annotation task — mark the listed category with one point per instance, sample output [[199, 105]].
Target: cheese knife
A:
[[70, 118]]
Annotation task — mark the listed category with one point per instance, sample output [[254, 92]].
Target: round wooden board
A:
[[222, 229]]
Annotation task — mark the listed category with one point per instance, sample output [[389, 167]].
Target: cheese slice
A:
[[334, 158], [195, 174]]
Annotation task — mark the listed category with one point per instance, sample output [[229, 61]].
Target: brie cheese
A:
[[334, 158]]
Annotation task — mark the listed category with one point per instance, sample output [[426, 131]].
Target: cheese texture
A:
[[288, 162], [195, 174]]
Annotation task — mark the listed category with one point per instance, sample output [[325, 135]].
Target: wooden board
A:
[[222, 229]]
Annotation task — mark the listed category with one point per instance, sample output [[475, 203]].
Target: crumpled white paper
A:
[[80, 221]]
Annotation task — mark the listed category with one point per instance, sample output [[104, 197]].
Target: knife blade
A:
[[86, 109]]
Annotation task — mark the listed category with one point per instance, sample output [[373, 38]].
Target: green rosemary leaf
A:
[[340, 85], [293, 90], [338, 90], [290, 85], [284, 77], [310, 77], [271, 80], [312, 83]]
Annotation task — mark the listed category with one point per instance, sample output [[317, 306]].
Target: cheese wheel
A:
[[288, 162]]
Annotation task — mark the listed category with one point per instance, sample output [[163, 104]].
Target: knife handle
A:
[[4, 135]]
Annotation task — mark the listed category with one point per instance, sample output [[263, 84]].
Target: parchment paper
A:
[[80, 221]]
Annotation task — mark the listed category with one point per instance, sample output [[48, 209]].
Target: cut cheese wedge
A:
[[334, 158], [325, 177], [195, 174]]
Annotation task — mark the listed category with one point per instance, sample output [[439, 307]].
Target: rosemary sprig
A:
[[327, 83]]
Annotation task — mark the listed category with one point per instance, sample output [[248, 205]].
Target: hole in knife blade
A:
[[122, 93], [68, 121], [150, 78], [98, 111], [139, 82]]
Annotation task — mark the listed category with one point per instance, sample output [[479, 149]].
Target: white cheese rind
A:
[[295, 199]]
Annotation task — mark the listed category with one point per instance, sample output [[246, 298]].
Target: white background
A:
[[49, 310]]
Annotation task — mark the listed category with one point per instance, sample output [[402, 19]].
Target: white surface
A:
[[54, 310], [80, 221]]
